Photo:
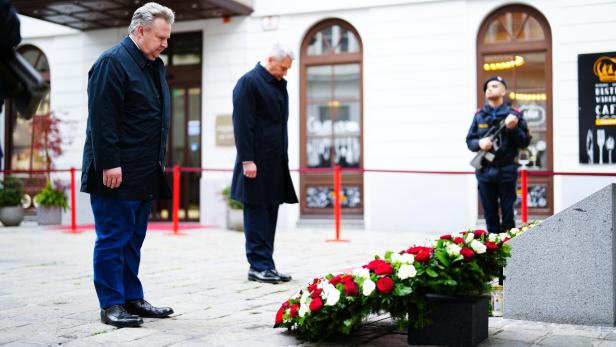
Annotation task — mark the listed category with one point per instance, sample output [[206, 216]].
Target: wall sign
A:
[[597, 107], [224, 130]]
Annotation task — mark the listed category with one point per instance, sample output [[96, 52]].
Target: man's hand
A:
[[511, 121], [112, 178], [250, 169], [485, 144]]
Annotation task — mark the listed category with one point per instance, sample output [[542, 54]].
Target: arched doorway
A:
[[331, 118], [515, 42]]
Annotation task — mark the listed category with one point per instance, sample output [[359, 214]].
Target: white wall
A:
[[419, 83]]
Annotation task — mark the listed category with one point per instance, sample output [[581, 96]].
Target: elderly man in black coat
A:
[[261, 178], [123, 160]]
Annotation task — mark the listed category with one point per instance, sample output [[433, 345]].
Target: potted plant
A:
[[235, 213], [11, 211], [50, 200]]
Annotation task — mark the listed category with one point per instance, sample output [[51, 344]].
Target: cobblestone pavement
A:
[[47, 296]]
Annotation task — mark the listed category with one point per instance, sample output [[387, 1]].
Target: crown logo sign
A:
[[605, 69]]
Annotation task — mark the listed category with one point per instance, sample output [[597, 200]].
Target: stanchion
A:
[[73, 229], [524, 184], [176, 200], [337, 179]]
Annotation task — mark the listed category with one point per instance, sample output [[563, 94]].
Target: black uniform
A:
[[497, 179]]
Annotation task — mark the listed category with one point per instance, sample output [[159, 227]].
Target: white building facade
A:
[[378, 85]]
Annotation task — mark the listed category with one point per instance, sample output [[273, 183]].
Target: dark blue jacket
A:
[[504, 166], [128, 123], [260, 114]]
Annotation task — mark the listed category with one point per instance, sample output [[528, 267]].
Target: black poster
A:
[[597, 107]]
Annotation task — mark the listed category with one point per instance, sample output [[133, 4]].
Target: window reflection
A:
[[333, 40], [513, 26]]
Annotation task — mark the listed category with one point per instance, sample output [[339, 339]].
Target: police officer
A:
[[497, 178]]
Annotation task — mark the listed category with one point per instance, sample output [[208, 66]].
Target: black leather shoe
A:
[[283, 277], [117, 316], [144, 309], [265, 276]]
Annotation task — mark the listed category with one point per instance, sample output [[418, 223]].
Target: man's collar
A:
[[133, 48], [268, 76]]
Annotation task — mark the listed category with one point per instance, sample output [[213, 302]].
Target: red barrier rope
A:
[[337, 172]]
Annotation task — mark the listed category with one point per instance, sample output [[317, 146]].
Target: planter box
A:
[[11, 216], [235, 219], [458, 321], [49, 215]]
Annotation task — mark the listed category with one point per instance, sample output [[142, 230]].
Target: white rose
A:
[[368, 287], [305, 296], [406, 271], [303, 309], [395, 257], [430, 243], [453, 249], [492, 237], [524, 229], [503, 236], [407, 258], [514, 231], [469, 237], [332, 297], [478, 247], [361, 272]]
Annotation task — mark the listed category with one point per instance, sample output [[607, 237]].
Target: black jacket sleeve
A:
[[244, 114], [105, 105], [472, 138]]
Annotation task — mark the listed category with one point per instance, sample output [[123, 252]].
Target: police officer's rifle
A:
[[489, 156]]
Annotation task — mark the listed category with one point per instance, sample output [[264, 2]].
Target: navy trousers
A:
[[493, 195], [259, 229], [120, 230]]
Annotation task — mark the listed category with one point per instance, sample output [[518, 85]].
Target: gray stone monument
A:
[[563, 270]]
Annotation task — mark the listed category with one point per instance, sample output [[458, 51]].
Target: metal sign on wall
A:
[[597, 107], [224, 130]]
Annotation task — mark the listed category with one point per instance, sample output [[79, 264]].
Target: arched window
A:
[[515, 42], [32, 143], [331, 117]]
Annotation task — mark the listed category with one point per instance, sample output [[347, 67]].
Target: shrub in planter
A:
[[11, 211], [235, 213], [50, 201]]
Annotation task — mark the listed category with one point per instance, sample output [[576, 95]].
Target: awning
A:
[[100, 14]]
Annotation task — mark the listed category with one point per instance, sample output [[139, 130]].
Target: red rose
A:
[[335, 280], [351, 288], [317, 292], [384, 269], [415, 250], [316, 304], [467, 253], [279, 316], [479, 233], [384, 285], [458, 240], [312, 287], [446, 237], [347, 278], [491, 246], [294, 310], [506, 239], [423, 256]]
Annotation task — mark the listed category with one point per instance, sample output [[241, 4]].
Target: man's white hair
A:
[[146, 14], [279, 51]]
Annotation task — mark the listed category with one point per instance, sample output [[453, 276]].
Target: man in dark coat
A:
[[11, 37], [261, 178], [123, 160], [497, 179]]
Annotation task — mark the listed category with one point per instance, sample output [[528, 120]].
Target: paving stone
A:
[[203, 277], [569, 341]]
